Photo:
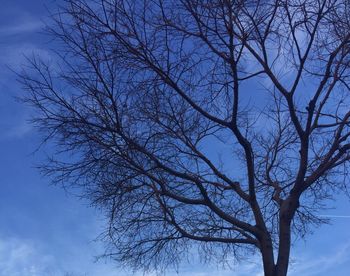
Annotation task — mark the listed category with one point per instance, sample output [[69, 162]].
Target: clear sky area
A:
[[46, 231]]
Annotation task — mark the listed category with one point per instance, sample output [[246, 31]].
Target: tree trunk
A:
[[287, 212], [284, 248], [281, 267], [267, 256]]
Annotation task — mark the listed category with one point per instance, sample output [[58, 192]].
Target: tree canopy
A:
[[222, 125]]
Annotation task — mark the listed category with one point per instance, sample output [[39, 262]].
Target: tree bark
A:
[[284, 248], [287, 211], [267, 255]]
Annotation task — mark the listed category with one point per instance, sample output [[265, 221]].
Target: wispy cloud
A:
[[18, 21], [19, 37], [20, 257], [28, 26], [17, 131], [334, 216], [319, 265], [23, 257]]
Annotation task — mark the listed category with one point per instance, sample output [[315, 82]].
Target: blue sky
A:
[[45, 231]]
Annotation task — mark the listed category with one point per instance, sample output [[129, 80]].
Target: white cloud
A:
[[27, 26], [17, 131], [334, 216], [19, 21], [315, 265], [21, 257], [19, 37]]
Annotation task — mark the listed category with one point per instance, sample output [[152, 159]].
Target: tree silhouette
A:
[[221, 125]]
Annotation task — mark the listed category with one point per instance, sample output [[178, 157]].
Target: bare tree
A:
[[221, 125]]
